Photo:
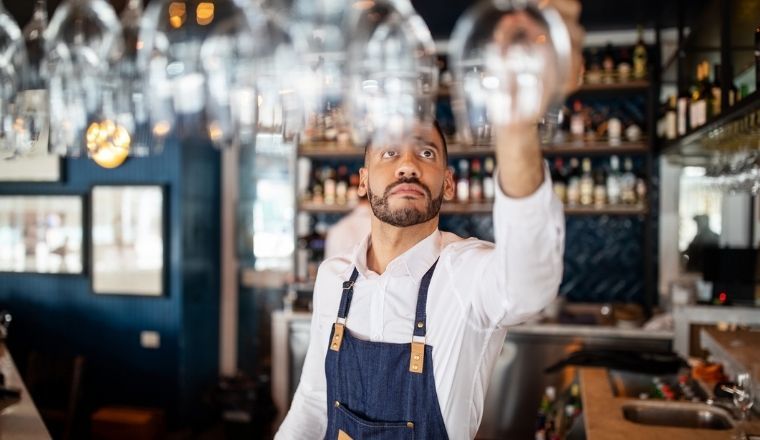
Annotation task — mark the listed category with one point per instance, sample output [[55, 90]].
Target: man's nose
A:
[[407, 167]]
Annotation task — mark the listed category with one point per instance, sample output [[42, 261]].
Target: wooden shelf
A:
[[332, 151], [486, 208], [628, 86], [599, 147]]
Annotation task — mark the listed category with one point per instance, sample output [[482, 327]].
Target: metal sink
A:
[[678, 414]]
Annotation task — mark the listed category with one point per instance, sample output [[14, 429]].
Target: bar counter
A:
[[21, 420]]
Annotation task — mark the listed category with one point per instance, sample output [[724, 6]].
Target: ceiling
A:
[[597, 14]]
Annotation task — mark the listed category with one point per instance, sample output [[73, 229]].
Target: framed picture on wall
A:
[[41, 234], [128, 239], [35, 165]]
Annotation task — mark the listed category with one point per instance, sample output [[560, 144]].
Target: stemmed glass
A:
[[743, 400]]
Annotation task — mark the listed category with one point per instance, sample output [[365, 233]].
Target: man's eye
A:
[[390, 153], [428, 154]]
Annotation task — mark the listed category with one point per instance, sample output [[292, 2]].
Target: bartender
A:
[[407, 327]]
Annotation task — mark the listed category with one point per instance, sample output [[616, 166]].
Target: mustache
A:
[[408, 180]]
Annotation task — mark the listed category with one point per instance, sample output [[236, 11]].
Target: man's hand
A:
[[518, 151], [570, 10]]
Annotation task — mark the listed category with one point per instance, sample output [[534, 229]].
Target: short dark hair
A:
[[438, 129]]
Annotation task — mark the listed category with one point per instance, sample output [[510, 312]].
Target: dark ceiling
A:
[[441, 15]]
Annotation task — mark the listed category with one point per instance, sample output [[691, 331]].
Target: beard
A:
[[408, 216]]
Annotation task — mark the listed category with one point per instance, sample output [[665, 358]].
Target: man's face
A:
[[406, 180]]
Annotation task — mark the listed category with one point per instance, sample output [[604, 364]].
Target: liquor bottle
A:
[[488, 181], [682, 113], [559, 183], [341, 186], [628, 183], [573, 183], [706, 92], [594, 68], [698, 106], [463, 182], [641, 187], [600, 187], [352, 195], [608, 65], [614, 130], [624, 67], [329, 179], [640, 57], [671, 119], [577, 121], [587, 183], [613, 182], [757, 58], [476, 182], [715, 91]]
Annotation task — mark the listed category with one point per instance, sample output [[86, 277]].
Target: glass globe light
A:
[[12, 58], [31, 120], [393, 74], [79, 40], [247, 60], [510, 61]]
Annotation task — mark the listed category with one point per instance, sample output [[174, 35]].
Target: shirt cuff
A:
[[529, 209]]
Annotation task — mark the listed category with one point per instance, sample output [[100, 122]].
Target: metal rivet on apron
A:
[[420, 324], [414, 367], [335, 346], [416, 358], [409, 424], [337, 404]]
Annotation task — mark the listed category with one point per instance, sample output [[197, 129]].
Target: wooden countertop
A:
[[603, 415], [20, 421], [737, 350]]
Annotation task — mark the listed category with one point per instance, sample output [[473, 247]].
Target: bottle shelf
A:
[[486, 208], [327, 150], [707, 138], [624, 86]]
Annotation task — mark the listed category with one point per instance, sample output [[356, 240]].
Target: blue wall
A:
[[61, 314]]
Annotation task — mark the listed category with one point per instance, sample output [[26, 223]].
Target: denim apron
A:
[[381, 390]]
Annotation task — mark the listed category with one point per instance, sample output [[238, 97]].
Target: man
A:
[[406, 329]]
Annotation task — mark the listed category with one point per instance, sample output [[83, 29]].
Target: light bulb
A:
[[510, 60], [393, 74], [249, 83], [31, 127], [12, 60], [79, 41], [108, 143]]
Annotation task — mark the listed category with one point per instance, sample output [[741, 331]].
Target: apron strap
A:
[[417, 353], [345, 304]]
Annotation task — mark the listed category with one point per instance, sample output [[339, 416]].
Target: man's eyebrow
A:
[[427, 142]]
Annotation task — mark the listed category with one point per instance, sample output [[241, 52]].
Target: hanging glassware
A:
[[247, 60], [319, 31], [510, 60], [79, 41], [125, 129], [12, 58], [31, 121], [393, 74]]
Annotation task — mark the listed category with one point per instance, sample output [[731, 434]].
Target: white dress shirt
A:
[[477, 290]]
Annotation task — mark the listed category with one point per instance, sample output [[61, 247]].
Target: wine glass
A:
[[510, 60], [743, 400], [393, 72], [12, 59], [31, 107], [79, 40], [249, 84]]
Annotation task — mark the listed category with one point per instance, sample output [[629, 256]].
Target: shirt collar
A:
[[414, 262]]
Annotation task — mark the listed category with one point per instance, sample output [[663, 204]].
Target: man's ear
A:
[[363, 176], [449, 186]]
